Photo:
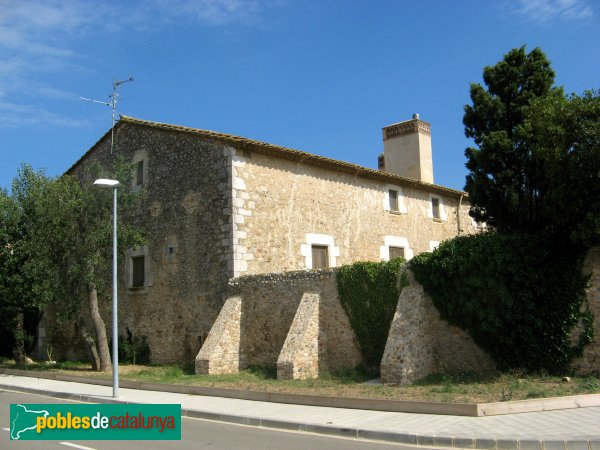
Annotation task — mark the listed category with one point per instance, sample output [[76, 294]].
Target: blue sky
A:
[[320, 76]]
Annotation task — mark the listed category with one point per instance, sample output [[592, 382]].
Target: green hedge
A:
[[519, 297], [369, 294]]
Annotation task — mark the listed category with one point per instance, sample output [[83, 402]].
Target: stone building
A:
[[218, 206]]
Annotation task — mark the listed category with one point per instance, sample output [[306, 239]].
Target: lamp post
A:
[[113, 184]]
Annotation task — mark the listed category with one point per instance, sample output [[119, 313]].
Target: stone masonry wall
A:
[[220, 353], [589, 362], [281, 207], [270, 303], [185, 216], [420, 343], [211, 212], [299, 357]]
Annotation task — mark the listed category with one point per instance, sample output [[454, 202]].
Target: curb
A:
[[459, 442], [418, 407], [407, 406]]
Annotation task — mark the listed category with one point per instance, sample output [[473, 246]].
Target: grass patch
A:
[[462, 388]]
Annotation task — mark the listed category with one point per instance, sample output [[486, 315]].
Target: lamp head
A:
[[106, 183]]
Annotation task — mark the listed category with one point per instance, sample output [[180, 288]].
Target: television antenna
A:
[[113, 104]]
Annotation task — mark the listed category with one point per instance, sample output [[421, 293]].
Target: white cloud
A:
[[16, 115], [38, 38], [35, 38], [544, 11], [213, 12], [40, 27]]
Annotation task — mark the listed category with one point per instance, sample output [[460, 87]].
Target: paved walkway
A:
[[572, 429]]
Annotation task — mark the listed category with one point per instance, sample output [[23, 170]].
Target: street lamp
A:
[[113, 184]]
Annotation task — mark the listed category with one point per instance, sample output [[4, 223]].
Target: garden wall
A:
[[420, 343], [589, 362], [270, 306]]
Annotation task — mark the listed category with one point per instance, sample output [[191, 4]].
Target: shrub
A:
[[519, 297], [134, 349], [369, 294]]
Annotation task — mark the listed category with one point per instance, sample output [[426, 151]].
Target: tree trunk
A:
[[90, 345], [100, 329], [19, 333]]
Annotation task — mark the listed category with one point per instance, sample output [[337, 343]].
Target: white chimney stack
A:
[[407, 150]]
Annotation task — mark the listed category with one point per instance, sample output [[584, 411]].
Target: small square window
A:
[[320, 257], [393, 196], [435, 207], [396, 252], [139, 267], [139, 173]]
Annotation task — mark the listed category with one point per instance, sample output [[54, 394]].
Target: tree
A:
[[59, 232], [537, 167], [565, 140], [535, 178], [503, 183], [27, 276], [77, 225]]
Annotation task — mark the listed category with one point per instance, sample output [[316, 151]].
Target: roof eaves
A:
[[299, 155], [281, 152]]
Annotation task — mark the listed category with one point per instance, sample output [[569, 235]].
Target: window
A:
[[393, 196], [393, 200], [435, 208], [320, 257], [139, 173], [394, 247], [319, 251], [397, 252], [137, 268], [138, 271]]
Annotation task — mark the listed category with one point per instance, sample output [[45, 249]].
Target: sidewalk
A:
[[571, 429]]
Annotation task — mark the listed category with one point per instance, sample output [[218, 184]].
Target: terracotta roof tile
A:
[[286, 153]]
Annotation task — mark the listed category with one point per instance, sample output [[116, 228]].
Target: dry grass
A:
[[439, 388]]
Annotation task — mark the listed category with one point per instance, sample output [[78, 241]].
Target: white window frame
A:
[[395, 241], [401, 203], [325, 240], [433, 245], [443, 217]]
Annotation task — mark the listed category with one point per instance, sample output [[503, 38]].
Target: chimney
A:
[[381, 162], [407, 149]]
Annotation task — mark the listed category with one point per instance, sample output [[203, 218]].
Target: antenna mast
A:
[[113, 104]]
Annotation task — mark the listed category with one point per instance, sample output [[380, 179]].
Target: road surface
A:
[[196, 434]]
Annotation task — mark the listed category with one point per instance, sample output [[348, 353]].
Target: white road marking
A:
[[6, 429], [82, 447]]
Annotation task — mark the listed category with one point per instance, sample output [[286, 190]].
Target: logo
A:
[[95, 422]]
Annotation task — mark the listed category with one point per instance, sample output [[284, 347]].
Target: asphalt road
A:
[[196, 434]]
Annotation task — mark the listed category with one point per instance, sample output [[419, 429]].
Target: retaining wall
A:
[[271, 312], [589, 362], [421, 343]]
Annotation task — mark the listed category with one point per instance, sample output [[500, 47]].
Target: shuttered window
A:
[[393, 195], [435, 207], [396, 252], [320, 257]]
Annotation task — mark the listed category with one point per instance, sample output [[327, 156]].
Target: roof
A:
[[277, 151]]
